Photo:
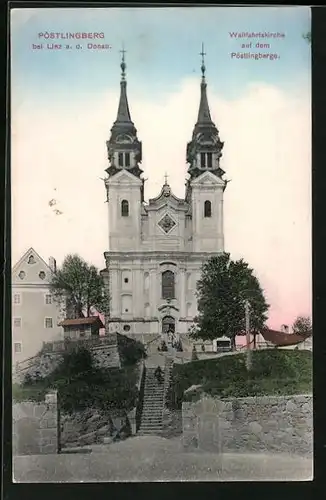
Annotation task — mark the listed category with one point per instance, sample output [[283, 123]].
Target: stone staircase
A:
[[154, 400], [152, 414]]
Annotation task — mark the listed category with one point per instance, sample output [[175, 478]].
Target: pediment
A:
[[209, 179], [124, 177]]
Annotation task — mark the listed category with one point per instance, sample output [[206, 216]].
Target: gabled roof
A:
[[26, 255]]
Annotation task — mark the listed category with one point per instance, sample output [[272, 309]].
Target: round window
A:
[[126, 328]]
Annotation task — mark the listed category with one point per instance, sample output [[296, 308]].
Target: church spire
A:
[[205, 149], [204, 115], [124, 148], [123, 115]]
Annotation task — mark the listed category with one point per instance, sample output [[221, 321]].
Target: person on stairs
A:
[[158, 375]]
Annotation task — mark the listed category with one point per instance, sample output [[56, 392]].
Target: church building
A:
[[157, 247]]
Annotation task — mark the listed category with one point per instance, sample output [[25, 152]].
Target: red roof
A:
[[283, 339], [83, 321]]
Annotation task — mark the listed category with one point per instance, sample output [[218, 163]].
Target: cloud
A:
[[59, 153]]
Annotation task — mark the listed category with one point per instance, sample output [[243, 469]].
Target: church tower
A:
[[205, 186], [124, 184]]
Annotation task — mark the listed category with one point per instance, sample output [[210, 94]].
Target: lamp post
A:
[[247, 313]]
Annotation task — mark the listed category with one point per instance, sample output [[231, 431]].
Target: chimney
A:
[[284, 328], [53, 264]]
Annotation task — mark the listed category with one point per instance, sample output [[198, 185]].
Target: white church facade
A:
[[157, 248]]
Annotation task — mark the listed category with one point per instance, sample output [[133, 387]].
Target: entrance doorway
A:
[[168, 324]]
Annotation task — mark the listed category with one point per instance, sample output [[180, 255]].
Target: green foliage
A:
[[81, 385], [302, 325], [274, 371], [81, 285], [224, 287], [131, 351]]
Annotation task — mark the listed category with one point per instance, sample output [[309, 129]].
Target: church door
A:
[[168, 324]]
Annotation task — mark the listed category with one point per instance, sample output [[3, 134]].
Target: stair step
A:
[[151, 427]]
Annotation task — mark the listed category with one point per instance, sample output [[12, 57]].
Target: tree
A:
[[81, 286], [222, 290], [302, 325]]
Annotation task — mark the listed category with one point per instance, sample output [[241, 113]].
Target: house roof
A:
[[83, 321], [29, 252], [283, 339]]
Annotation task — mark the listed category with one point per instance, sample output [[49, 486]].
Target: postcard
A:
[[161, 244]]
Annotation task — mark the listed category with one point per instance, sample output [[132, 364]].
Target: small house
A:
[[82, 328]]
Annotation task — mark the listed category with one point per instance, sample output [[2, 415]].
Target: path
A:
[[152, 458]]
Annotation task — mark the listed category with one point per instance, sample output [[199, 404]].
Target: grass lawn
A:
[[274, 371]]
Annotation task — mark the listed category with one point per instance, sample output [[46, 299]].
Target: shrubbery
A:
[[274, 371], [81, 385], [131, 351]]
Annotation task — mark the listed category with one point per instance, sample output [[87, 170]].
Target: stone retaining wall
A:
[[104, 356], [254, 424], [35, 427]]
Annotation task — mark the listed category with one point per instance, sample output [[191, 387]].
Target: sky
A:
[[64, 102]]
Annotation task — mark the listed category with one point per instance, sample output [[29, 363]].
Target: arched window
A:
[[207, 209], [168, 285], [124, 208]]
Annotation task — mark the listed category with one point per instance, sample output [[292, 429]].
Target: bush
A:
[[131, 351], [80, 385], [274, 371]]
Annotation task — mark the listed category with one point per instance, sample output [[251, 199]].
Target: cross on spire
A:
[[123, 64], [203, 54], [165, 178]]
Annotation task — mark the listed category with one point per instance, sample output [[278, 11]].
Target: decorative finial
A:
[[203, 54], [165, 178], [123, 64]]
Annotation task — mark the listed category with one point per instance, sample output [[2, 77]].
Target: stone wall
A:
[[254, 424], [172, 423], [35, 427], [104, 356], [84, 428]]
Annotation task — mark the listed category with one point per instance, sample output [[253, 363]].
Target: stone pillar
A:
[[221, 223], [182, 293], [153, 292], [115, 293], [137, 293]]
